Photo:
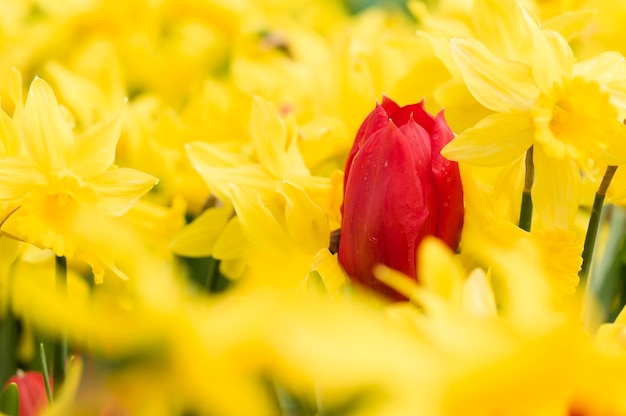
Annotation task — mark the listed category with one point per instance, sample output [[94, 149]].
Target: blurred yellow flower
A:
[[66, 186], [277, 158], [490, 236]]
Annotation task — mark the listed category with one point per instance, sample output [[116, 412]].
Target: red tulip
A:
[[398, 189], [31, 392]]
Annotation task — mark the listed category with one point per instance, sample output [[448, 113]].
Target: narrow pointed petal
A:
[[257, 221], [438, 270], [615, 151], [462, 109], [503, 26], [499, 84], [17, 178], [569, 23], [47, 135], [375, 121], [552, 60], [556, 190], [441, 49], [15, 94], [306, 222], [331, 272], [414, 113], [478, 297], [269, 134], [231, 244], [10, 142], [118, 189], [496, 140], [602, 68], [198, 238], [219, 169], [94, 151]]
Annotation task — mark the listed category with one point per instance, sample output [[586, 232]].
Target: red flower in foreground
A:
[[31, 392], [398, 189]]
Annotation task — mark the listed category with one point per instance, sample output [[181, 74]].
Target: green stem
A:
[[211, 274], [8, 345], [9, 328], [526, 210], [594, 221], [44, 370], [60, 351]]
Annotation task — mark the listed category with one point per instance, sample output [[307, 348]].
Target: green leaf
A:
[[10, 400], [606, 283]]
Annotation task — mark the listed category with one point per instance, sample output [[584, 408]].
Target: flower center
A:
[[576, 119], [64, 184]]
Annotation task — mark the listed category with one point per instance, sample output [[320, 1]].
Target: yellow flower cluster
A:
[[171, 189]]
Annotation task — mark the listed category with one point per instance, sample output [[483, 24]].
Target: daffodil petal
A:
[[615, 152], [602, 68], [552, 60], [269, 134], [556, 190], [306, 222], [198, 238], [503, 26], [257, 221], [119, 188], [94, 151], [47, 135], [17, 178], [569, 23], [617, 91], [478, 297], [231, 244], [219, 178], [333, 276], [9, 139], [65, 397], [215, 155], [462, 109], [441, 48], [561, 256], [15, 94], [82, 95], [499, 84], [438, 270], [496, 140]]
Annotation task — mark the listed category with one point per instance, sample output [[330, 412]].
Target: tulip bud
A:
[[398, 189], [31, 392]]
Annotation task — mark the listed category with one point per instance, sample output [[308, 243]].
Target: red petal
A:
[[385, 213], [416, 111], [32, 392], [389, 105], [375, 121], [448, 187]]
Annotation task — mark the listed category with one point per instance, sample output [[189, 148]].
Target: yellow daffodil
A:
[[444, 285], [491, 236], [65, 186], [501, 26], [92, 86], [289, 230], [571, 111], [277, 159]]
